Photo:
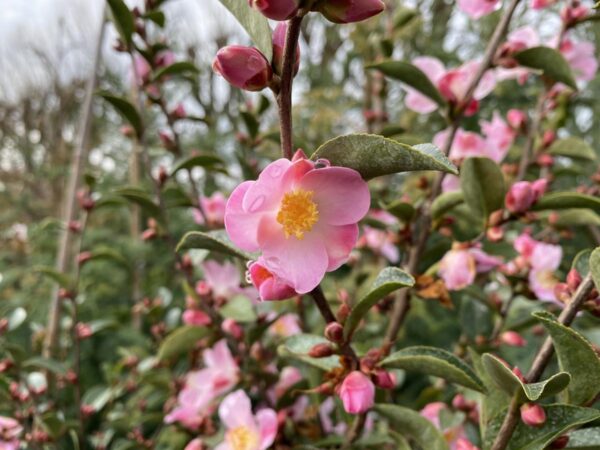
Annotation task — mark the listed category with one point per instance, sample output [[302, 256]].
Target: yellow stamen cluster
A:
[[297, 213], [242, 438]]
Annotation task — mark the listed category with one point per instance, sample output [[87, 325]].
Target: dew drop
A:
[[321, 163], [257, 203], [276, 171]]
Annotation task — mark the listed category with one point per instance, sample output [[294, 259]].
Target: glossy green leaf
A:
[[175, 69], [482, 184], [123, 18], [550, 61], [575, 356], [206, 161], [388, 280], [572, 147], [373, 156], [255, 24], [215, 241], [239, 308], [445, 202], [298, 346], [410, 75], [559, 419], [181, 341], [506, 380], [413, 426], [584, 439], [436, 362], [126, 109], [567, 200], [595, 266]]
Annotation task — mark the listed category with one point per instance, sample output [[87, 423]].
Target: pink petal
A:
[[546, 256], [430, 66], [339, 242], [419, 103], [236, 411], [265, 194], [267, 426], [341, 195], [241, 226]]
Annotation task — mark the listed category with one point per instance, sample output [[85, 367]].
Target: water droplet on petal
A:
[[257, 203], [321, 163], [248, 278], [275, 170]]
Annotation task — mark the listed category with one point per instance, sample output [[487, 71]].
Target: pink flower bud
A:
[[231, 327], [202, 288], [519, 374], [166, 138], [269, 285], [83, 330], [84, 257], [539, 188], [519, 197], [279, 49], [348, 11], [533, 414], [573, 279], [545, 160], [276, 9], [334, 332], [516, 118], [513, 339], [384, 379], [243, 67], [321, 351], [195, 317], [548, 138], [357, 393], [179, 112]]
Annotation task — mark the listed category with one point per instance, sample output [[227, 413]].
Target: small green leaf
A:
[[437, 362], [178, 68], [575, 356], [559, 419], [298, 346], [126, 109], [62, 279], [141, 198], [388, 280], [108, 254], [445, 202], [506, 380], [572, 147], [123, 18], [374, 156], [595, 266], [567, 200], [207, 161], [181, 341], [550, 62], [158, 17], [239, 308], [413, 426], [215, 241], [483, 187], [402, 210], [254, 23], [410, 75]]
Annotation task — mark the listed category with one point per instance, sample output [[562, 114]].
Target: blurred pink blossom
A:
[[581, 56], [459, 266], [476, 9], [287, 325], [10, 430], [454, 435], [214, 209]]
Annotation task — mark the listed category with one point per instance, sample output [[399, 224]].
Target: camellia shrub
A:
[[426, 280]]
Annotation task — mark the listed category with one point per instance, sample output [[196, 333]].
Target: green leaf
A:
[[388, 280], [585, 439], [206, 161], [158, 17], [410, 75], [97, 396], [239, 308], [215, 241], [374, 156], [298, 346], [576, 217], [595, 267], [550, 62], [37, 362], [254, 23], [559, 419], [581, 262], [109, 254], [506, 380], [483, 187], [413, 426], [567, 200], [575, 356], [402, 210], [573, 147], [126, 109], [141, 198], [178, 68], [437, 362], [123, 18], [445, 202], [181, 341], [63, 279]]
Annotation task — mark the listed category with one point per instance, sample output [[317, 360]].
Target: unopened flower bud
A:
[[562, 292], [357, 393], [533, 414], [334, 332], [149, 234], [243, 67], [545, 160], [384, 379], [179, 112], [516, 118], [231, 327], [348, 11], [203, 289], [74, 226], [321, 351], [84, 257], [513, 339], [573, 279], [519, 197], [279, 36], [276, 9], [83, 330], [548, 138]]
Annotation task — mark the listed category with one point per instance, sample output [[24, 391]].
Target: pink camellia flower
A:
[[288, 377], [286, 326], [476, 9], [195, 444], [10, 430], [276, 9], [454, 435], [269, 285], [194, 402], [246, 431], [533, 414], [243, 67], [279, 35], [452, 84], [357, 393], [581, 56], [459, 266], [382, 242], [349, 11], [498, 137], [195, 317], [466, 144], [302, 216], [214, 209]]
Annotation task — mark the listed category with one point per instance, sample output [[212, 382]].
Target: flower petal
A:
[[339, 242], [267, 426], [241, 226], [266, 192], [236, 411]]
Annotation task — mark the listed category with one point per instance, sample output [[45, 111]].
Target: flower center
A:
[[242, 438], [297, 213]]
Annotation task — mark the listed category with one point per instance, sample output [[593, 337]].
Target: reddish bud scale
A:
[[321, 351]]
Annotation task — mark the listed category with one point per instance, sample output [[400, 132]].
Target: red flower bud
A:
[[243, 67], [276, 9], [321, 351], [279, 49], [334, 332], [348, 11], [533, 414]]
